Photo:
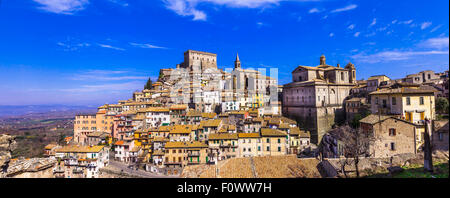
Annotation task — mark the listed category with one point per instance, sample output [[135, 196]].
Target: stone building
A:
[[393, 136], [440, 135], [315, 97], [376, 81], [197, 60], [421, 77]]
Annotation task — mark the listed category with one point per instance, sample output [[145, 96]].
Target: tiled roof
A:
[[197, 144], [249, 135], [194, 113], [209, 115], [222, 136], [372, 118], [175, 145], [178, 107], [272, 132], [181, 129], [405, 90], [210, 123], [80, 149]]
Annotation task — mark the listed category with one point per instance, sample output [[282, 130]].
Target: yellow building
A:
[[175, 154], [197, 153], [273, 142], [413, 103]]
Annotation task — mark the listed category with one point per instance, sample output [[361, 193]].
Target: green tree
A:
[[149, 84], [442, 105]]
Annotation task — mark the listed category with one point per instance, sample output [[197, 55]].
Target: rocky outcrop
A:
[[33, 165], [7, 145]]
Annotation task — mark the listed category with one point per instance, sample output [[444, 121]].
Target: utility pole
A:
[[428, 159]]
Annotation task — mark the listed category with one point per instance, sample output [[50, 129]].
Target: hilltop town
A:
[[199, 118]]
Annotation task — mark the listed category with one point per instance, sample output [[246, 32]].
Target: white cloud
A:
[[435, 28], [394, 21], [314, 10], [62, 6], [119, 2], [346, 8], [405, 22], [370, 34], [394, 55], [351, 27], [357, 34], [110, 47], [69, 46], [374, 21], [425, 25], [331, 34], [146, 45], [435, 43], [189, 7]]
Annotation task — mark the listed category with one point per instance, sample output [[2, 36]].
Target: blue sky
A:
[[91, 52]]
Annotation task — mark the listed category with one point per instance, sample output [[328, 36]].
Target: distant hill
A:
[[21, 110]]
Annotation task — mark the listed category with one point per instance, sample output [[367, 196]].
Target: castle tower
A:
[[237, 63], [322, 60]]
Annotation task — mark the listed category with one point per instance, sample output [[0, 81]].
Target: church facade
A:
[[316, 96]]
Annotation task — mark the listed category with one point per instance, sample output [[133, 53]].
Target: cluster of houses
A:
[[199, 114]]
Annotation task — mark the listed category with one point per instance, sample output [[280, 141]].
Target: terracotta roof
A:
[[210, 123], [372, 118], [197, 144], [181, 129], [249, 135], [405, 90], [222, 136], [194, 113], [209, 115], [175, 145], [284, 126], [80, 149], [157, 109], [272, 132], [119, 143], [178, 107], [287, 120]]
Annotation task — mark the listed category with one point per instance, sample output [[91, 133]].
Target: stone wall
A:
[[7, 145]]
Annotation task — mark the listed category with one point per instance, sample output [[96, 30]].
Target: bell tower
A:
[[322, 60], [237, 63]]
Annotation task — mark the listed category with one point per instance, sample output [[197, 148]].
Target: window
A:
[[268, 148], [259, 148], [392, 132], [376, 100], [384, 104], [441, 136], [394, 101], [268, 140], [421, 100], [392, 146], [408, 101], [279, 141], [279, 149]]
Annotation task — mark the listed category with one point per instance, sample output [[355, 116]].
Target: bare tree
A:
[[355, 144]]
